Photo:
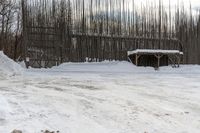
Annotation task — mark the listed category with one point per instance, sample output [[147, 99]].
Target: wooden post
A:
[[158, 57], [178, 60], [158, 61], [136, 60]]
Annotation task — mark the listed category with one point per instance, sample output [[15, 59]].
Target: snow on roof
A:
[[152, 51]]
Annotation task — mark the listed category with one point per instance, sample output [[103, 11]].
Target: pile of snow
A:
[[122, 67], [8, 66], [106, 66], [183, 69], [22, 64]]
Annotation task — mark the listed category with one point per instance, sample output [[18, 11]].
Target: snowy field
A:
[[108, 97]]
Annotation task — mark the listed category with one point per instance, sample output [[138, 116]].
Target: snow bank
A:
[[106, 66], [22, 64], [183, 69], [8, 67], [123, 67]]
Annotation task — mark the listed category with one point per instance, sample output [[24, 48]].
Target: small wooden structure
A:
[[155, 57]]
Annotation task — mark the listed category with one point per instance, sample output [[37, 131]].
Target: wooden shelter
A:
[[155, 57]]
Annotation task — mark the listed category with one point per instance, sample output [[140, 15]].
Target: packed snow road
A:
[[110, 97]]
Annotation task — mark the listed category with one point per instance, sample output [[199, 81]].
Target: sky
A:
[[194, 3]]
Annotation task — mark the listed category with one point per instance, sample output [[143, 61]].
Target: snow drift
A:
[[122, 67], [105, 67], [8, 67]]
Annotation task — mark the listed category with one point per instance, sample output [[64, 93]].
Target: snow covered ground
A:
[[108, 97]]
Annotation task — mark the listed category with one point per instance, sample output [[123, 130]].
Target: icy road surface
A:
[[101, 98]]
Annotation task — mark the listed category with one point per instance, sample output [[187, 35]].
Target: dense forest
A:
[[61, 19]]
